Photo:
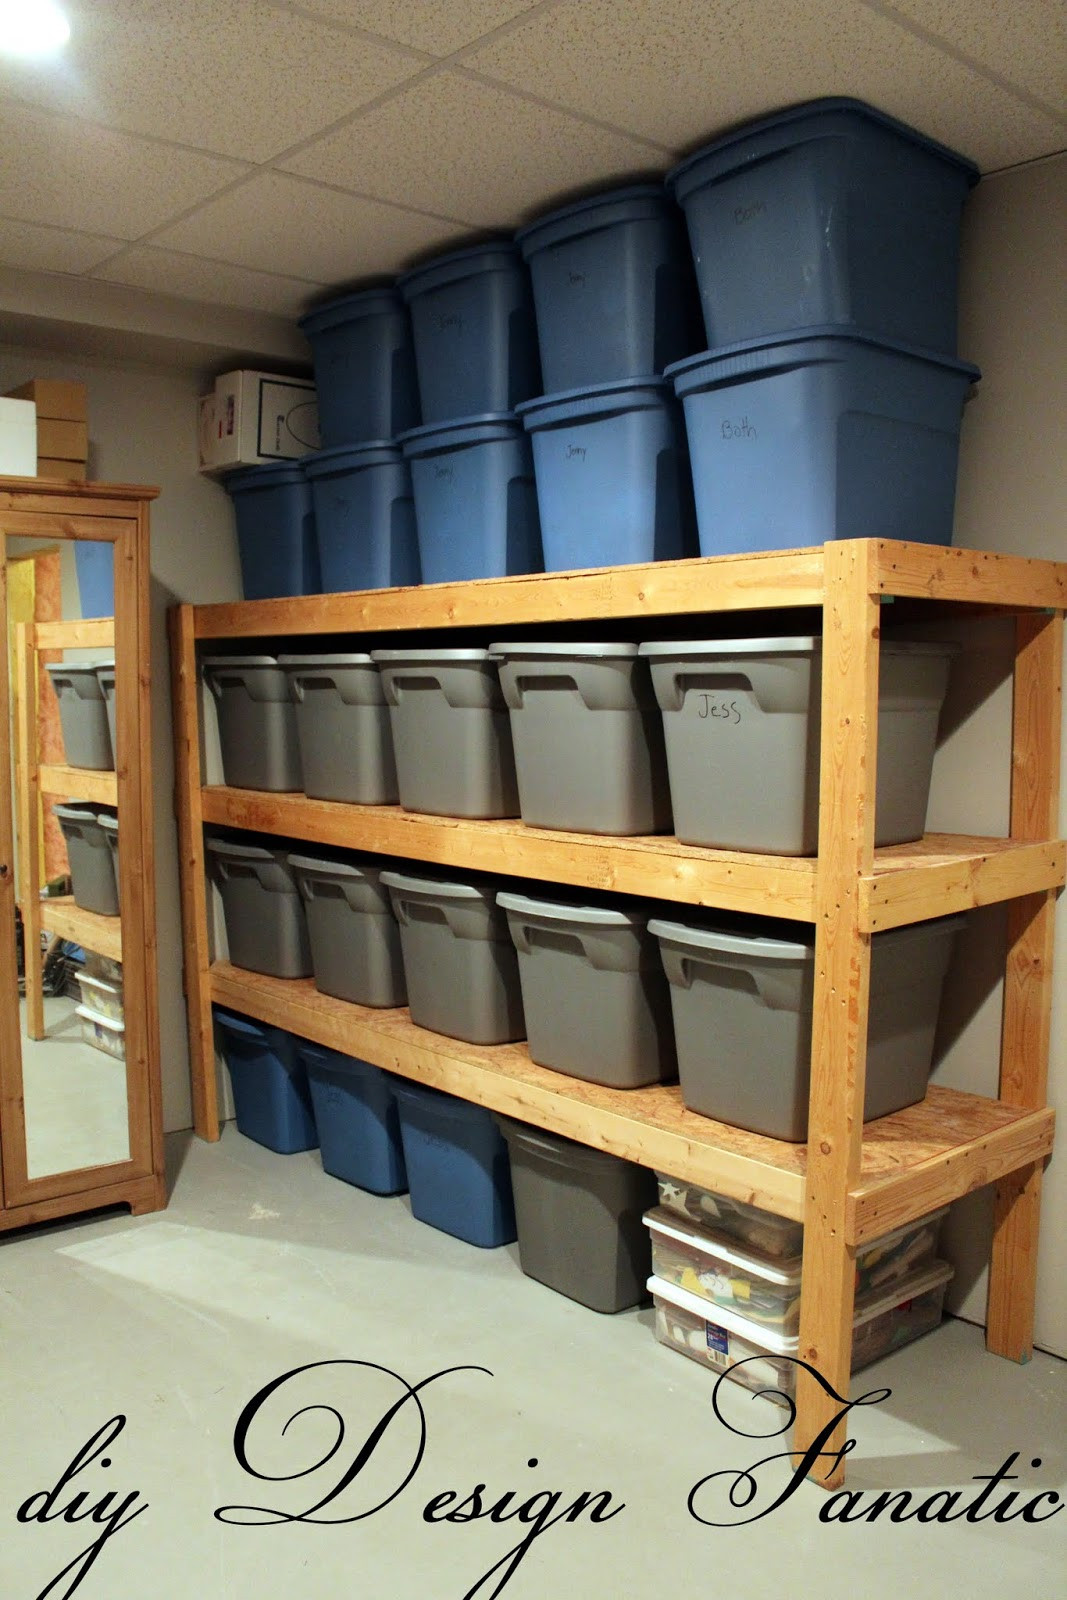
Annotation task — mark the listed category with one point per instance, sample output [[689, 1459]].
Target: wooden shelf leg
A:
[[29, 824], [1036, 723], [189, 813], [839, 1022]]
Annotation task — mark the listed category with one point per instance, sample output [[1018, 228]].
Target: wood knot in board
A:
[[825, 1148]]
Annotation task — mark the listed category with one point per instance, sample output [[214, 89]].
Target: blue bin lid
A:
[[239, 1025], [488, 428], [836, 112], [633, 203], [268, 475], [385, 300], [696, 372], [594, 400], [495, 255], [353, 458], [321, 1055]]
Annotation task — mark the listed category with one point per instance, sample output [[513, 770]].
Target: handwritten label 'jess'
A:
[[709, 707]]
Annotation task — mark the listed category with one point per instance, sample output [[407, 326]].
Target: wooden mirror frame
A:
[[116, 514]]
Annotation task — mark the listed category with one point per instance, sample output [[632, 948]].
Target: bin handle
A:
[[681, 969], [684, 678], [528, 934]]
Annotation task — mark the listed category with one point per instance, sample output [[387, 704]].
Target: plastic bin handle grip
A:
[[682, 679], [681, 969], [528, 934]]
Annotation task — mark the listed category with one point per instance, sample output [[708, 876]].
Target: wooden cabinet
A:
[[850, 1183], [116, 515]]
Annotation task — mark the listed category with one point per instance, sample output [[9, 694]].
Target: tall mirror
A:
[[80, 1099], [67, 851]]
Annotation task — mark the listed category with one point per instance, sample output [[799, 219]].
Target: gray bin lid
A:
[[562, 911], [396, 657], [568, 1152], [737, 944], [797, 645], [75, 812], [333, 659], [240, 661], [553, 647], [439, 888], [108, 822], [246, 852]]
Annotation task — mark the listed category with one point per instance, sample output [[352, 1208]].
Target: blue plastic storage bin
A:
[[822, 435], [94, 563], [364, 367], [829, 212], [612, 474], [275, 530], [364, 517], [357, 1118], [613, 287], [270, 1088], [457, 1164], [472, 318], [475, 501]]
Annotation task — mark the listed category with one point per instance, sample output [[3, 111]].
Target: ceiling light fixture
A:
[[32, 28]]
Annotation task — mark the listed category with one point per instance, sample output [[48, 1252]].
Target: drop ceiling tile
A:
[[1024, 42], [437, 26], [244, 80], [69, 174], [678, 70], [464, 148], [218, 282], [282, 225], [36, 249]]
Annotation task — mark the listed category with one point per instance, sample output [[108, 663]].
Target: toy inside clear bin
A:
[[760, 1230]]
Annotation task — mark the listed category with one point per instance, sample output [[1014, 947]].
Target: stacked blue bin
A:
[[358, 1119], [359, 482], [828, 404], [271, 1099], [476, 354], [616, 302]]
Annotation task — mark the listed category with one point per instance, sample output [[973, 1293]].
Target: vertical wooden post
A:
[[10, 1034], [189, 812], [1036, 723], [143, 568], [849, 726], [28, 823]]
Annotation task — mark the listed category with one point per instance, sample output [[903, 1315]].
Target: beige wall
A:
[[142, 429], [1012, 497]]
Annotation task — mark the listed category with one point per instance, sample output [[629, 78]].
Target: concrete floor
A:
[[263, 1264], [75, 1096]]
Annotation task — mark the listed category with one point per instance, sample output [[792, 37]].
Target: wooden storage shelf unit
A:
[[65, 920], [850, 1182]]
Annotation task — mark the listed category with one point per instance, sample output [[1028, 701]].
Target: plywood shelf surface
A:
[[912, 1161], [79, 783], [64, 919], [909, 883]]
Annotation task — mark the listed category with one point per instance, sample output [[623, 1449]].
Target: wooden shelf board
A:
[[940, 874], [89, 634], [954, 872], [912, 1161], [65, 920], [764, 581], [79, 783], [970, 577]]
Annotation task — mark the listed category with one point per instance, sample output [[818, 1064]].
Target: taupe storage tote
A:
[[82, 716], [588, 737], [741, 719], [257, 723], [355, 940], [266, 929], [92, 861], [342, 724]]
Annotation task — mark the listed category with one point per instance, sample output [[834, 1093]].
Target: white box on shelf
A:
[[18, 438], [254, 417]]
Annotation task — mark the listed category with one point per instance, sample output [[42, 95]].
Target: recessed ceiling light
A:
[[32, 28]]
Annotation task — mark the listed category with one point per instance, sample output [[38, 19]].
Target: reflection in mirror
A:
[[62, 729]]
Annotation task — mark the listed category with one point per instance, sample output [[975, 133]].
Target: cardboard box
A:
[[62, 440], [49, 467], [256, 417], [61, 398], [18, 439]]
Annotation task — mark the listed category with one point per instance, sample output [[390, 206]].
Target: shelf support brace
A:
[[1036, 723], [849, 725], [188, 809]]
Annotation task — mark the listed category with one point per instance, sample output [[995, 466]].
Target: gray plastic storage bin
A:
[[451, 733], [257, 723], [105, 676], [82, 716], [355, 941], [342, 724], [596, 1002], [266, 929], [742, 719], [109, 821], [92, 863], [588, 737], [459, 962], [742, 1020], [579, 1217]]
